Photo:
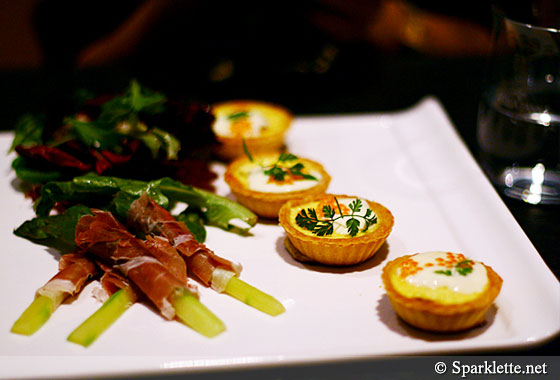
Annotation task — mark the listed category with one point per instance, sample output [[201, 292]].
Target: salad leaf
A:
[[217, 210], [157, 139], [136, 99], [26, 172], [194, 220], [94, 189], [54, 231], [28, 131], [93, 135]]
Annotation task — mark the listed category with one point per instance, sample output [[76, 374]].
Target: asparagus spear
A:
[[102, 319], [75, 270], [194, 314], [226, 281], [146, 215], [254, 297], [35, 316], [97, 235], [188, 310]]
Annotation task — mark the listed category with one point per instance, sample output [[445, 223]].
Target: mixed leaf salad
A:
[[138, 134]]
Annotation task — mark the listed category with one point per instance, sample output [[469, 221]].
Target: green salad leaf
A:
[[54, 231], [28, 131], [28, 173], [105, 192]]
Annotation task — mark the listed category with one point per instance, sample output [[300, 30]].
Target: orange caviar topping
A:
[[330, 201], [450, 260], [409, 267]]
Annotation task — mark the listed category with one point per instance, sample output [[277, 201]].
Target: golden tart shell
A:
[[434, 316], [267, 204], [334, 250], [279, 118]]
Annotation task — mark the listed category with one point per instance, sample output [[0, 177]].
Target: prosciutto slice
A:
[[74, 270], [149, 217], [163, 251], [103, 236], [111, 282]]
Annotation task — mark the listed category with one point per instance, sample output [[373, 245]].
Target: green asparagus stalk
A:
[[188, 309], [194, 314], [254, 297], [102, 319], [35, 316]]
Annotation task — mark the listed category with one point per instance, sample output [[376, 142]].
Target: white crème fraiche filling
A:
[[339, 225], [223, 125], [258, 181], [473, 282]]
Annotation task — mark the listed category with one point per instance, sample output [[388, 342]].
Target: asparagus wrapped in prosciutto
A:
[[221, 274], [75, 269], [119, 295], [118, 194], [102, 235]]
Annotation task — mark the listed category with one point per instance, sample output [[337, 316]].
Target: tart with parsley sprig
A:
[[264, 182], [334, 229], [260, 125], [440, 291]]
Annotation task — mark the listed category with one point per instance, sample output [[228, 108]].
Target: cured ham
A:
[[149, 217], [111, 282], [103, 236], [168, 256], [75, 269]]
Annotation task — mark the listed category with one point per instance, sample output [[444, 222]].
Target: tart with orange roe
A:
[[263, 183], [259, 125], [334, 229], [440, 291]]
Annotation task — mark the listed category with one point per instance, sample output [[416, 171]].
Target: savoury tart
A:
[[440, 291], [334, 229], [259, 125], [263, 183]]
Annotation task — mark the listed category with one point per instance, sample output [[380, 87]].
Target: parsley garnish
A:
[[238, 115], [321, 227], [462, 267], [279, 173]]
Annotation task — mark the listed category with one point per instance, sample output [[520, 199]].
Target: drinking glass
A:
[[519, 113]]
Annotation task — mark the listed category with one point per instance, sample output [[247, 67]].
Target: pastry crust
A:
[[338, 251], [271, 139], [435, 316], [267, 204]]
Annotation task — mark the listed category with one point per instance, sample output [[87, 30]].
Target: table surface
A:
[[354, 84]]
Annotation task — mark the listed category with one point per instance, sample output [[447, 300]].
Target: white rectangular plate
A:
[[412, 161]]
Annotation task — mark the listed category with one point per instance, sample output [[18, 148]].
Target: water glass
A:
[[519, 113]]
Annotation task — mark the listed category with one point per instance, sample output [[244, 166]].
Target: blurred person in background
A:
[[94, 33], [244, 48]]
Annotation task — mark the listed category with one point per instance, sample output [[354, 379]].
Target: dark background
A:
[[280, 58]]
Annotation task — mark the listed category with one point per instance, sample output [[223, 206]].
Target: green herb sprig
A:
[[279, 173], [238, 115], [462, 267], [307, 219]]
